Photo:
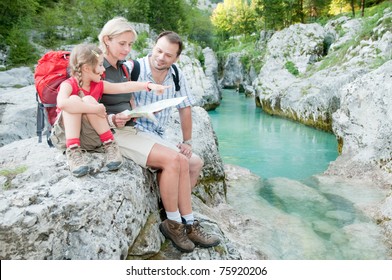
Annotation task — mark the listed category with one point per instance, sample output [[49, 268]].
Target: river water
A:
[[304, 215]]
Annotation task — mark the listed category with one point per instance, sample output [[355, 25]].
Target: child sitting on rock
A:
[[81, 121]]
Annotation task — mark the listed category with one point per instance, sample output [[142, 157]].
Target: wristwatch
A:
[[188, 142]]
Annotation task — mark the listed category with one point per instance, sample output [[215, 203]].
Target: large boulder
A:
[[46, 213]]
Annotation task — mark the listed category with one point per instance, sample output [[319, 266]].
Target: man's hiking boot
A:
[[199, 237], [176, 232], [114, 158], [76, 161]]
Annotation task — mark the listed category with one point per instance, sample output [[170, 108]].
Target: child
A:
[[81, 121]]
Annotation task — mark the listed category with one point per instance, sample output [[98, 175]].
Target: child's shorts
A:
[[89, 138]]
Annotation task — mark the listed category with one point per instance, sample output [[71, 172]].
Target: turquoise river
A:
[[302, 213]]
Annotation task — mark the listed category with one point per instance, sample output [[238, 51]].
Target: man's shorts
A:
[[89, 138], [164, 142]]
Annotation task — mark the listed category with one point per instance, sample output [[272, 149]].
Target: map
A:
[[148, 111]]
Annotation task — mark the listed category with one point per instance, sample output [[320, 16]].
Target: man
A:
[[156, 67]]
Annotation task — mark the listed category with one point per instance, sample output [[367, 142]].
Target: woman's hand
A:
[[119, 120]]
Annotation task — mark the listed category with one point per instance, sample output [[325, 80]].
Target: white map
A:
[[148, 111]]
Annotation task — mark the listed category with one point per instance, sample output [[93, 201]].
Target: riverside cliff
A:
[[335, 78]]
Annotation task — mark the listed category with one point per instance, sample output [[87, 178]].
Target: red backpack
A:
[[51, 71]]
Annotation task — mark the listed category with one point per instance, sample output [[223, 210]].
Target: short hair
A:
[[173, 38], [114, 27]]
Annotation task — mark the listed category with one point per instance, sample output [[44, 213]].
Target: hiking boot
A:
[[198, 236], [176, 232], [114, 158], [76, 161]]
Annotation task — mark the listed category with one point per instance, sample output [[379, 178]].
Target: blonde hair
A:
[[113, 28], [83, 54]]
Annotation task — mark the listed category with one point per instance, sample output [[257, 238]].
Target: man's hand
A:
[[185, 149]]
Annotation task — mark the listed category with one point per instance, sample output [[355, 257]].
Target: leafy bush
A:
[[141, 43]]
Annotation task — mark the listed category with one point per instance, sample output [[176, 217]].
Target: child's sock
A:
[[72, 142], [106, 136]]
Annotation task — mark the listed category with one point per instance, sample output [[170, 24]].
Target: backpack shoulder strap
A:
[[176, 77], [135, 70], [125, 70]]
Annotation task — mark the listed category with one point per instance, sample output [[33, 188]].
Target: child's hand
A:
[[159, 89]]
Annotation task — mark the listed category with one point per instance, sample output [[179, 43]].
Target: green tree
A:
[[315, 9], [234, 17], [362, 8], [221, 20], [200, 28], [167, 15], [274, 14], [21, 52], [244, 19], [12, 12]]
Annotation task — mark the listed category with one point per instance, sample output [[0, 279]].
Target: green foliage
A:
[[141, 43], [167, 16], [21, 52], [10, 174], [290, 66], [273, 11], [378, 9], [200, 28], [49, 23], [340, 55], [15, 11], [234, 17], [59, 22], [251, 56]]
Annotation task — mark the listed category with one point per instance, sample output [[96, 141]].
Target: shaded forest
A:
[[25, 24]]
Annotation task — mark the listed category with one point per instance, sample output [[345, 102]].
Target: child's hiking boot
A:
[[176, 232], [199, 237], [76, 161], [114, 158]]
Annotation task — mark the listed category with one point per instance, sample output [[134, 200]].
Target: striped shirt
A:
[[144, 97]]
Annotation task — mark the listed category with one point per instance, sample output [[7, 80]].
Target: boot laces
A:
[[76, 155], [199, 230], [111, 151], [183, 234]]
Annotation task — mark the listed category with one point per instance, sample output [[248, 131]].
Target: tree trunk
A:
[[362, 8], [301, 8], [353, 7]]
